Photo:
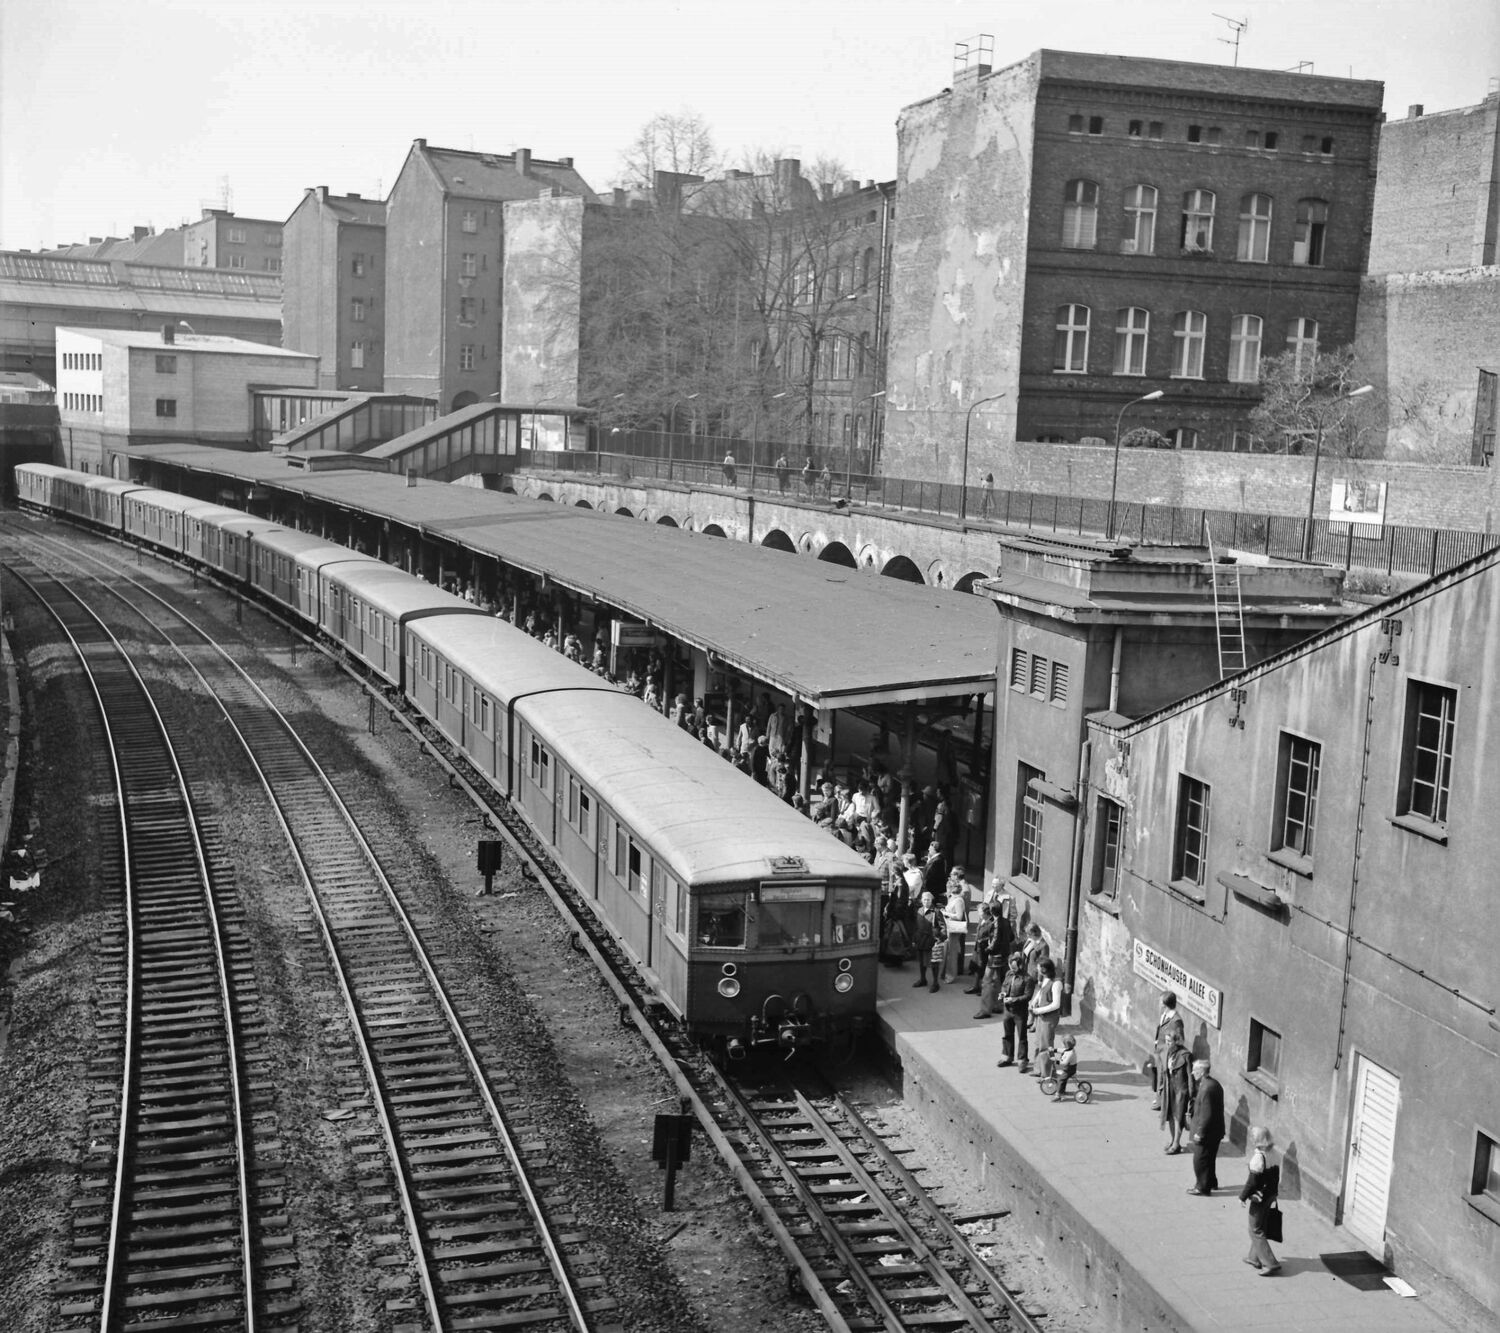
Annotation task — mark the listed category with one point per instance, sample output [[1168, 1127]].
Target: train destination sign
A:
[[793, 891], [1192, 992]]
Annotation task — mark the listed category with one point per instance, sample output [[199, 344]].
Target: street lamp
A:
[[1312, 494], [963, 490], [1114, 480], [671, 422], [849, 448]]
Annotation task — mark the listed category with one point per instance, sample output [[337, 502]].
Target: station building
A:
[[1304, 852], [333, 303], [117, 389], [1076, 231], [220, 239]]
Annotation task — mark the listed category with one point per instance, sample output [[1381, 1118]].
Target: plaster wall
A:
[[416, 246], [541, 286]]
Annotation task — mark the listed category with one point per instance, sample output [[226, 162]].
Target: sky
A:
[[114, 115]]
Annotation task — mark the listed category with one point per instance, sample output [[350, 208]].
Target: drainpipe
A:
[[1075, 872], [1114, 670]]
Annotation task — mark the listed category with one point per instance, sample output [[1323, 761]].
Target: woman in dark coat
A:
[[1260, 1190], [1176, 1075]]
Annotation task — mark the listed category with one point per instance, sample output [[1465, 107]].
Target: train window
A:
[[853, 911], [572, 801], [790, 925], [585, 816], [721, 921], [658, 890], [679, 907], [617, 847], [633, 874], [484, 713]]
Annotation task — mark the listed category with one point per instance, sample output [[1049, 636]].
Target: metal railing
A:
[[1392, 549]]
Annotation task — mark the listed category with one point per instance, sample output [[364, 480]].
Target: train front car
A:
[[758, 928]]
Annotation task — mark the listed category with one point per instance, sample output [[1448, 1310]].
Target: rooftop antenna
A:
[[1237, 26], [226, 194], [1301, 67]]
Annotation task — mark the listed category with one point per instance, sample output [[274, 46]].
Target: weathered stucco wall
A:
[[539, 326], [958, 268]]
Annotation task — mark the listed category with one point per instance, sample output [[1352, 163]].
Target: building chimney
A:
[[1414, 111], [139, 233], [617, 196], [565, 162], [352, 195], [419, 143], [523, 161], [168, 334]]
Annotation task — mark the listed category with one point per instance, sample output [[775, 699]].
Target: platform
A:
[[1102, 1198]]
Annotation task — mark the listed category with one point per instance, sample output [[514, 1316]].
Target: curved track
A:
[[455, 1181]]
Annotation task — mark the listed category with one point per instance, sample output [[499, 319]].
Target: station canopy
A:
[[831, 636]]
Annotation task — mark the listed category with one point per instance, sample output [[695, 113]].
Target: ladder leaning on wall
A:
[[1229, 611]]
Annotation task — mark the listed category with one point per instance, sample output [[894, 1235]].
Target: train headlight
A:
[[729, 987], [844, 982], [845, 964]]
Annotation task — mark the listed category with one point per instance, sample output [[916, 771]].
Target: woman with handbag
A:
[[1260, 1190]]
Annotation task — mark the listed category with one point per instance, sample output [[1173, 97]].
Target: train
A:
[[752, 926]]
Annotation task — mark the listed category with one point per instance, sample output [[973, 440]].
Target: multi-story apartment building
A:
[[333, 302], [445, 245], [1304, 852], [1077, 231], [219, 239], [117, 388]]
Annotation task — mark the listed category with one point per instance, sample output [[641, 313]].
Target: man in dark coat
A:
[[1206, 1127]]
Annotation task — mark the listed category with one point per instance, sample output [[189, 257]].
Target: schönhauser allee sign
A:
[[1192, 992]]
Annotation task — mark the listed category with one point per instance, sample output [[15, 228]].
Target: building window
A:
[[1255, 229], [1427, 751], [1190, 849], [356, 355], [1198, 222], [357, 265], [1271, 140], [1157, 130], [357, 310], [1019, 669], [1182, 437], [1213, 135], [1325, 145], [466, 356], [1139, 235], [1312, 227], [466, 309], [470, 221], [1302, 342], [1252, 138], [1134, 129], [1080, 215], [1039, 673], [271, 263], [468, 265], [1132, 328], [1058, 691], [1028, 852], [1486, 1177], [1189, 334], [1096, 124], [1070, 354], [166, 365], [235, 261], [1195, 134], [1110, 822], [1075, 124], [1264, 1054], [1244, 349], [1297, 767], [273, 239], [235, 236], [166, 407]]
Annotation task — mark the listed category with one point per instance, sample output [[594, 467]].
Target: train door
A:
[[658, 912]]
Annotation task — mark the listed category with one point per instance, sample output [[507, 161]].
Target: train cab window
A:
[[791, 916], [721, 921], [851, 917], [633, 869]]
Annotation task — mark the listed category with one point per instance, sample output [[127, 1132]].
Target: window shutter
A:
[[1018, 658]]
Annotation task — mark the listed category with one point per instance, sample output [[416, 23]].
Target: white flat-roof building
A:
[[118, 387]]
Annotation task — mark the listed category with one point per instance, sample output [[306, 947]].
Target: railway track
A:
[[454, 1177], [176, 1221], [861, 1237]]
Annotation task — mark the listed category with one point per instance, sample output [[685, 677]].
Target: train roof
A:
[[829, 635], [710, 822], [396, 593], [308, 549], [169, 500]]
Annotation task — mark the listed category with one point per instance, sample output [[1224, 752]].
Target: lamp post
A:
[[755, 431], [963, 489], [849, 448], [1114, 480], [1312, 494], [671, 422]]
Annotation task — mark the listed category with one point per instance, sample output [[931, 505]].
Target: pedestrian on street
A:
[[807, 476], [1206, 1128], [1015, 997], [1168, 1024], [1046, 1005], [1260, 1191], [1175, 1089], [922, 937], [956, 918], [729, 472], [995, 965], [783, 473]]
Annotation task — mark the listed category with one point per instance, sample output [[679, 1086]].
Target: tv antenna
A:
[[1237, 26]]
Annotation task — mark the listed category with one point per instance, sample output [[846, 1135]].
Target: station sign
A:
[[633, 634], [1192, 992]]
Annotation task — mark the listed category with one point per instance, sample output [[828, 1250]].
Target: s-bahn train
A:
[[752, 925]]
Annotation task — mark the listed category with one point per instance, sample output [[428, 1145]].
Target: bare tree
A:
[[1305, 404], [676, 141]]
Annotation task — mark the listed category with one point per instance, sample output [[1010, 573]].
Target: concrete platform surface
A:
[[1099, 1180]]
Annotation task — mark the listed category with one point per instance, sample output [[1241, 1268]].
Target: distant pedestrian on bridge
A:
[[783, 474], [729, 472], [807, 476]]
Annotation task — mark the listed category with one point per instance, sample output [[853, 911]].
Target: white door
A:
[[1372, 1140]]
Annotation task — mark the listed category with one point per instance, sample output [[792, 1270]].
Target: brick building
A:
[[1429, 311], [333, 302], [1304, 852], [1077, 231], [118, 388], [219, 239], [445, 247]]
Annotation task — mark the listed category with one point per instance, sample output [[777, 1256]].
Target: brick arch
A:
[[713, 530], [622, 512], [582, 504], [777, 540], [967, 582], [836, 553], [904, 568]]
